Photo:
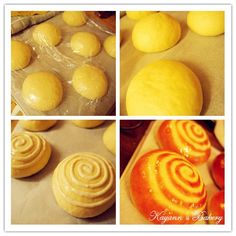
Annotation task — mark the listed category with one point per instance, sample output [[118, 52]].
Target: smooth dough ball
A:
[[85, 44], [110, 45], [220, 131], [90, 82], [164, 88], [47, 34], [20, 55], [137, 15], [156, 32], [42, 91], [206, 23], [88, 123], [37, 125], [109, 138], [74, 18]]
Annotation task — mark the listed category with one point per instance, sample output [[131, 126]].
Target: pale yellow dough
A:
[[110, 45], [20, 55], [37, 125], [74, 18], [42, 91], [109, 138], [88, 123], [29, 154], [220, 131], [206, 23], [164, 88], [156, 32], [137, 15], [84, 185], [85, 44], [90, 82], [47, 34]]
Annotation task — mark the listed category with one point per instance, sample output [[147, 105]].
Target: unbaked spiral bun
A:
[[185, 137], [84, 185], [30, 153], [164, 185]]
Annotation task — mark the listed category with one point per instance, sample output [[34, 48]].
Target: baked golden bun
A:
[[220, 131], [29, 154], [37, 125], [84, 185], [218, 170], [164, 182], [87, 123]]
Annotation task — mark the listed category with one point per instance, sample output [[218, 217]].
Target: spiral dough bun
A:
[[30, 153], [165, 183], [84, 185], [185, 137]]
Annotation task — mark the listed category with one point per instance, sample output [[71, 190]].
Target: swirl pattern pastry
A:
[[84, 185], [30, 153], [185, 137], [167, 189]]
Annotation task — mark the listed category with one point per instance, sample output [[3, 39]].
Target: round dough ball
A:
[[90, 82], [47, 34], [220, 131], [137, 15], [164, 88], [88, 123], [85, 44], [37, 125], [110, 45], [20, 55], [109, 138], [156, 32], [206, 23], [42, 91], [74, 18]]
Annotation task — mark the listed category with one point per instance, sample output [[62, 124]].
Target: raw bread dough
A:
[[37, 125], [110, 45], [85, 44], [90, 82], [206, 23], [109, 138], [74, 18], [137, 15], [47, 34], [156, 32], [220, 131], [42, 91], [20, 55], [164, 88], [88, 123]]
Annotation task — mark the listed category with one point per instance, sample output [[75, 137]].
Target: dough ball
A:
[[109, 138], [47, 34], [74, 18], [206, 23], [110, 45], [164, 88], [220, 131], [85, 44], [156, 32], [20, 55], [90, 82], [42, 91], [88, 123], [37, 125], [137, 15]]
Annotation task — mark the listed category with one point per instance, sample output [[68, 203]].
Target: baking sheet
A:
[[63, 61], [32, 199], [204, 55], [147, 144]]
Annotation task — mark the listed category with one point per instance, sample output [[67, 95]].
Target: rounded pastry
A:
[[90, 82], [42, 91], [137, 15], [84, 185], [110, 45], [185, 137], [85, 44], [47, 34], [109, 138], [20, 55], [220, 131], [88, 123], [74, 18], [37, 125], [29, 154], [156, 32], [206, 23], [164, 88], [218, 170], [165, 184]]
